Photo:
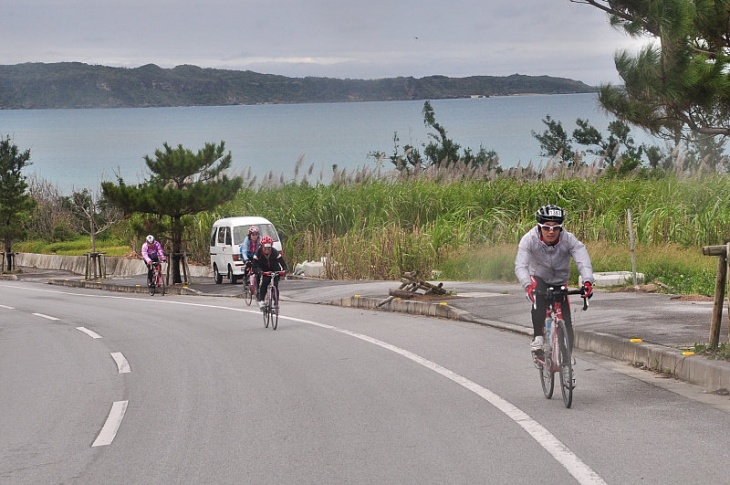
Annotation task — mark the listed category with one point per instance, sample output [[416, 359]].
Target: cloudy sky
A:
[[364, 39]]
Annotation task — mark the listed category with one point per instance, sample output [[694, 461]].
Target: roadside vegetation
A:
[[464, 229], [449, 213]]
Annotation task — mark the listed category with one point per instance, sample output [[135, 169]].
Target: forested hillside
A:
[[78, 85]]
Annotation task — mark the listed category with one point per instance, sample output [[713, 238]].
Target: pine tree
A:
[[679, 83], [181, 183], [15, 202]]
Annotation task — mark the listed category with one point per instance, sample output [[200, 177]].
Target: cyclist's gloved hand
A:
[[587, 289], [530, 290]]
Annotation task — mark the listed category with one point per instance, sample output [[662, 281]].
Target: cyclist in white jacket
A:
[[543, 259]]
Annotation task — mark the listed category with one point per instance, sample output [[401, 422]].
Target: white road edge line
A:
[[113, 421], [122, 364], [47, 317], [88, 332], [7, 307], [562, 454]]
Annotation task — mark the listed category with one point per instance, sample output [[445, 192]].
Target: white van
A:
[[226, 238]]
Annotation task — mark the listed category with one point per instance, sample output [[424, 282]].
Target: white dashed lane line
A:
[[113, 421], [119, 408], [47, 317], [122, 363], [88, 332]]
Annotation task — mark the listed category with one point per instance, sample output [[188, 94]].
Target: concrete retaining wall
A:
[[115, 266]]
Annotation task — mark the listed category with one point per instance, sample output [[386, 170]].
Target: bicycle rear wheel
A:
[[274, 307], [547, 377], [566, 367]]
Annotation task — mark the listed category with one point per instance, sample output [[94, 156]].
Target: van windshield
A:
[[240, 232]]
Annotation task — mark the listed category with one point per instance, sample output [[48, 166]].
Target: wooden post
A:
[[720, 283], [727, 266], [631, 248]]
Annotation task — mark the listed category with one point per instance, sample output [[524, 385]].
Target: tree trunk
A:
[[9, 257], [177, 230]]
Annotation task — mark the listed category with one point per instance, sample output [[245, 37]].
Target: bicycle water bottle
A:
[[548, 331]]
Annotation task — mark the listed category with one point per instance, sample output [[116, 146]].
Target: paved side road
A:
[[648, 330]]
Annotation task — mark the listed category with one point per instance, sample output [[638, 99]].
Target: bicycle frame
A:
[[555, 355], [271, 301], [157, 279]]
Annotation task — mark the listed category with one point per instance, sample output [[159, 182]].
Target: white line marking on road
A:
[[88, 332], [7, 307], [122, 363], [113, 422], [562, 454], [47, 317]]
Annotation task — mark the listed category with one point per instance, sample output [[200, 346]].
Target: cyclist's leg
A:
[[538, 316], [150, 269], [263, 287], [538, 310]]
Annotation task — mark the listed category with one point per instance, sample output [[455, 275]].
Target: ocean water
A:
[[80, 148]]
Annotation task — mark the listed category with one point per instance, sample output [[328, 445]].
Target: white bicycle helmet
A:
[[150, 239]]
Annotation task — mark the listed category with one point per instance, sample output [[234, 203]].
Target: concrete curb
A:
[[689, 368], [100, 285]]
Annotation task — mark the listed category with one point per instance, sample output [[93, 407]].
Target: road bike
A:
[[271, 302], [157, 279], [249, 287], [555, 356]]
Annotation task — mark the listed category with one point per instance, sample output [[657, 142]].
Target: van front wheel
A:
[[217, 277]]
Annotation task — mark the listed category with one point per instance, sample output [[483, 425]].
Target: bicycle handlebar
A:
[[553, 292], [273, 273]]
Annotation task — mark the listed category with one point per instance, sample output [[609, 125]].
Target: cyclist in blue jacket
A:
[[248, 248], [543, 260]]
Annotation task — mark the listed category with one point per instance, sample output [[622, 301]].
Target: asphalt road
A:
[[335, 395]]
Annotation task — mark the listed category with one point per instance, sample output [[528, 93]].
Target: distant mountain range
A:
[[78, 85]]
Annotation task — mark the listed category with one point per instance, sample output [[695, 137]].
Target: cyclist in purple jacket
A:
[[543, 260], [152, 252]]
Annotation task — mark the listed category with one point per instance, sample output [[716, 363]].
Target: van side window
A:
[[228, 236], [222, 235], [240, 233], [213, 236]]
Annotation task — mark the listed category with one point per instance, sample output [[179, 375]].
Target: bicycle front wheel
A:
[[274, 307], [566, 367], [267, 315], [247, 296], [151, 283]]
